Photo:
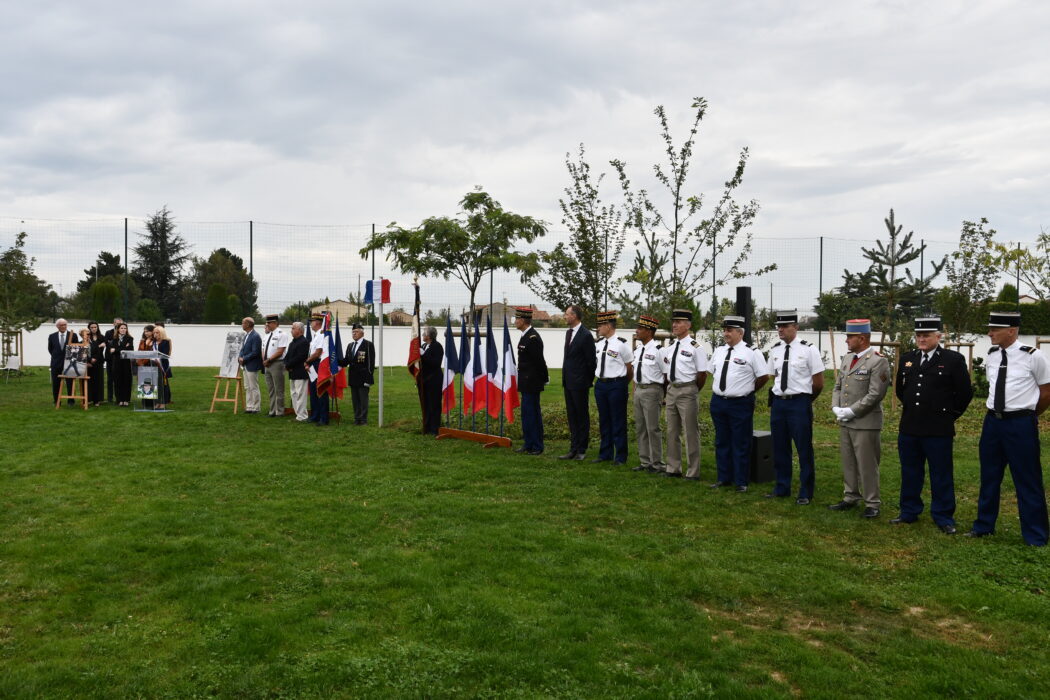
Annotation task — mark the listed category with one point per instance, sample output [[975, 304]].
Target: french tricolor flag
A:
[[377, 291], [449, 365], [480, 380]]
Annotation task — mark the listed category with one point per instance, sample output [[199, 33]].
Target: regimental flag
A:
[[495, 383], [324, 367], [510, 376], [480, 378], [449, 367], [414, 356], [335, 362], [466, 368], [377, 292], [339, 348]]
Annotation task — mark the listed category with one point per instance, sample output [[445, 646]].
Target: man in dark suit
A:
[[430, 380], [532, 377], [577, 376], [298, 374], [933, 385], [56, 348], [360, 358]]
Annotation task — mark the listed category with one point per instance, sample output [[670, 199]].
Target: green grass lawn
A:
[[197, 554]]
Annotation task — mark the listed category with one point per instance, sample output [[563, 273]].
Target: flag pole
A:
[[380, 344], [488, 391], [503, 366]]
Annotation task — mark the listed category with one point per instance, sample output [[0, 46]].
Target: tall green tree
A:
[[224, 268], [216, 306], [106, 265], [972, 274], [680, 255], [160, 257], [25, 299], [107, 301], [581, 271], [480, 240], [1031, 264]]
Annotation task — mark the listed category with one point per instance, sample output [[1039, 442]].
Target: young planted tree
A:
[[25, 299], [581, 270], [972, 275], [679, 257], [467, 248], [160, 258]]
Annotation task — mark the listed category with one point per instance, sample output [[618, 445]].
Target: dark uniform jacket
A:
[[580, 361], [295, 358], [362, 364], [532, 366], [933, 398], [430, 373]]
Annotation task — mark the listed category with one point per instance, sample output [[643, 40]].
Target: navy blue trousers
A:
[[318, 406], [531, 422], [578, 412], [791, 421], [734, 421], [611, 398], [915, 453], [1013, 441]]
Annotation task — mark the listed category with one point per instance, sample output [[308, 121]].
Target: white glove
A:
[[837, 411], [848, 414]]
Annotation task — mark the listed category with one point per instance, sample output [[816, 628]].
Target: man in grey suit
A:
[[860, 387]]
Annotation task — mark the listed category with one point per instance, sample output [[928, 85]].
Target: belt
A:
[[681, 384], [612, 379], [1007, 415], [789, 397], [646, 385], [735, 398]]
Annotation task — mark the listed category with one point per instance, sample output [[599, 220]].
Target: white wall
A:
[[201, 345]]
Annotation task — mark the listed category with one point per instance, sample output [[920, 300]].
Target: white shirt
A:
[[273, 340], [616, 354], [319, 342], [804, 361], [649, 360], [744, 366], [688, 358], [1025, 373]]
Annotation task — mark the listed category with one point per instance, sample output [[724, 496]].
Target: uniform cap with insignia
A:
[[607, 317], [316, 317], [524, 312], [1004, 319], [930, 323], [858, 325], [682, 315], [272, 318], [785, 318], [733, 322], [648, 322], [357, 327]]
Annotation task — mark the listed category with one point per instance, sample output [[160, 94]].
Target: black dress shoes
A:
[[800, 501], [843, 505], [870, 513], [948, 529], [568, 455], [673, 475], [720, 484], [599, 460], [775, 495], [974, 533], [521, 449], [691, 478], [640, 468], [900, 521], [741, 489], [534, 453], [580, 457]]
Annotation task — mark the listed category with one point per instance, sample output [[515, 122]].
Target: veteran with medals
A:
[[360, 359], [532, 378], [933, 385]]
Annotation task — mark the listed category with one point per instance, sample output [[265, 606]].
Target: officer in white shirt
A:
[[318, 343], [737, 372], [685, 371], [275, 344], [648, 395], [1018, 392], [797, 372], [612, 374]]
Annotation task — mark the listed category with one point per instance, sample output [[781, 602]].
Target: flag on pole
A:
[[377, 291], [495, 383], [335, 362], [466, 368], [449, 367], [480, 379], [510, 376], [324, 368], [414, 356]]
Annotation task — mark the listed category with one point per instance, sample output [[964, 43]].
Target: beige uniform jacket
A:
[[862, 389]]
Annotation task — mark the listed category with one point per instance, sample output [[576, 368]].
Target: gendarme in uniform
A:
[[1018, 391], [612, 372]]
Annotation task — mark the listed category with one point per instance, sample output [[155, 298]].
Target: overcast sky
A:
[[368, 112]]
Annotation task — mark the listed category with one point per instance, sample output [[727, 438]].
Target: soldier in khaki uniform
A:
[[862, 382]]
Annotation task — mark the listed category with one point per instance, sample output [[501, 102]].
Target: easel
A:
[[11, 345], [484, 438], [78, 380], [236, 400]]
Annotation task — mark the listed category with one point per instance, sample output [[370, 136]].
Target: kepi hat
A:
[[607, 316], [1004, 319], [523, 312], [785, 318], [857, 326], [682, 315], [733, 322], [928, 324], [648, 322]]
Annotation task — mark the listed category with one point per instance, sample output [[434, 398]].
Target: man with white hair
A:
[[298, 374], [56, 348]]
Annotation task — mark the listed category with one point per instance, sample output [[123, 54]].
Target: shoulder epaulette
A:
[[695, 344], [780, 342], [1028, 349], [621, 339], [992, 349], [805, 342]]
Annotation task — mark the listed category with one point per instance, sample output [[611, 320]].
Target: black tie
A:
[[784, 371], [568, 340], [922, 365], [725, 371], [266, 350], [605, 347], [674, 359], [1000, 385], [638, 372]]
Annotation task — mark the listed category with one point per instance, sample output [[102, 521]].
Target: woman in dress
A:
[[162, 343], [96, 343], [120, 367]]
